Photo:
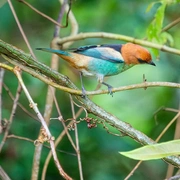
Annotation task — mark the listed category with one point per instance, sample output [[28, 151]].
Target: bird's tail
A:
[[59, 52]]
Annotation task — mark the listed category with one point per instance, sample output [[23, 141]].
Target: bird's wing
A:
[[105, 52]]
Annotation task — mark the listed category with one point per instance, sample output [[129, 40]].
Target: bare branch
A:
[[45, 16], [21, 29], [1, 83], [51, 75], [3, 175], [35, 108], [11, 116], [175, 22], [19, 104], [82, 36], [77, 140]]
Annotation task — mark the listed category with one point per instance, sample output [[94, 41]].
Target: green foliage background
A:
[[99, 150]]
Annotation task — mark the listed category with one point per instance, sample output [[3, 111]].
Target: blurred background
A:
[[99, 149]]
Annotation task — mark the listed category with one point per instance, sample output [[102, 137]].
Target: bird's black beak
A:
[[152, 63]]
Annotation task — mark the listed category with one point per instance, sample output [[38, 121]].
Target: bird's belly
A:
[[87, 73], [104, 67]]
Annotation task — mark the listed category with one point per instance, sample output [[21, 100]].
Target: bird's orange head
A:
[[135, 54]]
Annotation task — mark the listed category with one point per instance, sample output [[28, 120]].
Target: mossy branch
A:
[[28, 64]]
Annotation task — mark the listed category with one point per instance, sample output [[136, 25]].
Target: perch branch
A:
[[16, 56]]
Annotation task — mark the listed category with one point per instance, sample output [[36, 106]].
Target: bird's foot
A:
[[83, 89], [109, 88], [83, 92]]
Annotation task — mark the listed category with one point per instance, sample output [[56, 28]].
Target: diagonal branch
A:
[[20, 28], [15, 102], [47, 17], [39, 115], [16, 56]]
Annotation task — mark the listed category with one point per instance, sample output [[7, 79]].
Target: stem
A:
[[77, 140], [35, 108], [20, 28]]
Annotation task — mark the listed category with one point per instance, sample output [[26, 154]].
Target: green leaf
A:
[[159, 17], [155, 52], [155, 28], [151, 5], [167, 38], [155, 151]]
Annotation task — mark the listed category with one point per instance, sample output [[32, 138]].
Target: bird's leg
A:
[[109, 88], [83, 89]]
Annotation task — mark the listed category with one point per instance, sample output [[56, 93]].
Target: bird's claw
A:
[[110, 90], [83, 92]]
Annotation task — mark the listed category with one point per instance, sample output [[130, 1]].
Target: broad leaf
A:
[[155, 151]]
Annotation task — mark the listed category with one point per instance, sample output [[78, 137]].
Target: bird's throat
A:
[[127, 66]]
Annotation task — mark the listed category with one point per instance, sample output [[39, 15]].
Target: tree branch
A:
[[26, 62], [82, 36]]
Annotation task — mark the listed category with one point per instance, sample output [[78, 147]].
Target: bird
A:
[[104, 60]]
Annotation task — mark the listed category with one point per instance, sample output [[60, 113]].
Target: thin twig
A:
[[3, 174], [1, 83], [73, 22], [45, 16], [171, 109], [63, 133], [133, 170], [167, 127], [36, 162], [20, 28], [11, 116], [170, 168], [175, 22], [35, 108], [32, 141], [62, 121], [19, 104], [60, 137], [60, 16], [77, 140]]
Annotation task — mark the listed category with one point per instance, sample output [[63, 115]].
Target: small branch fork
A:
[[35, 108]]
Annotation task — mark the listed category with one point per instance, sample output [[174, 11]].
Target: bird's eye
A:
[[141, 61]]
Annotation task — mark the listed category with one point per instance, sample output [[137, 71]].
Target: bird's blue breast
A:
[[106, 68]]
